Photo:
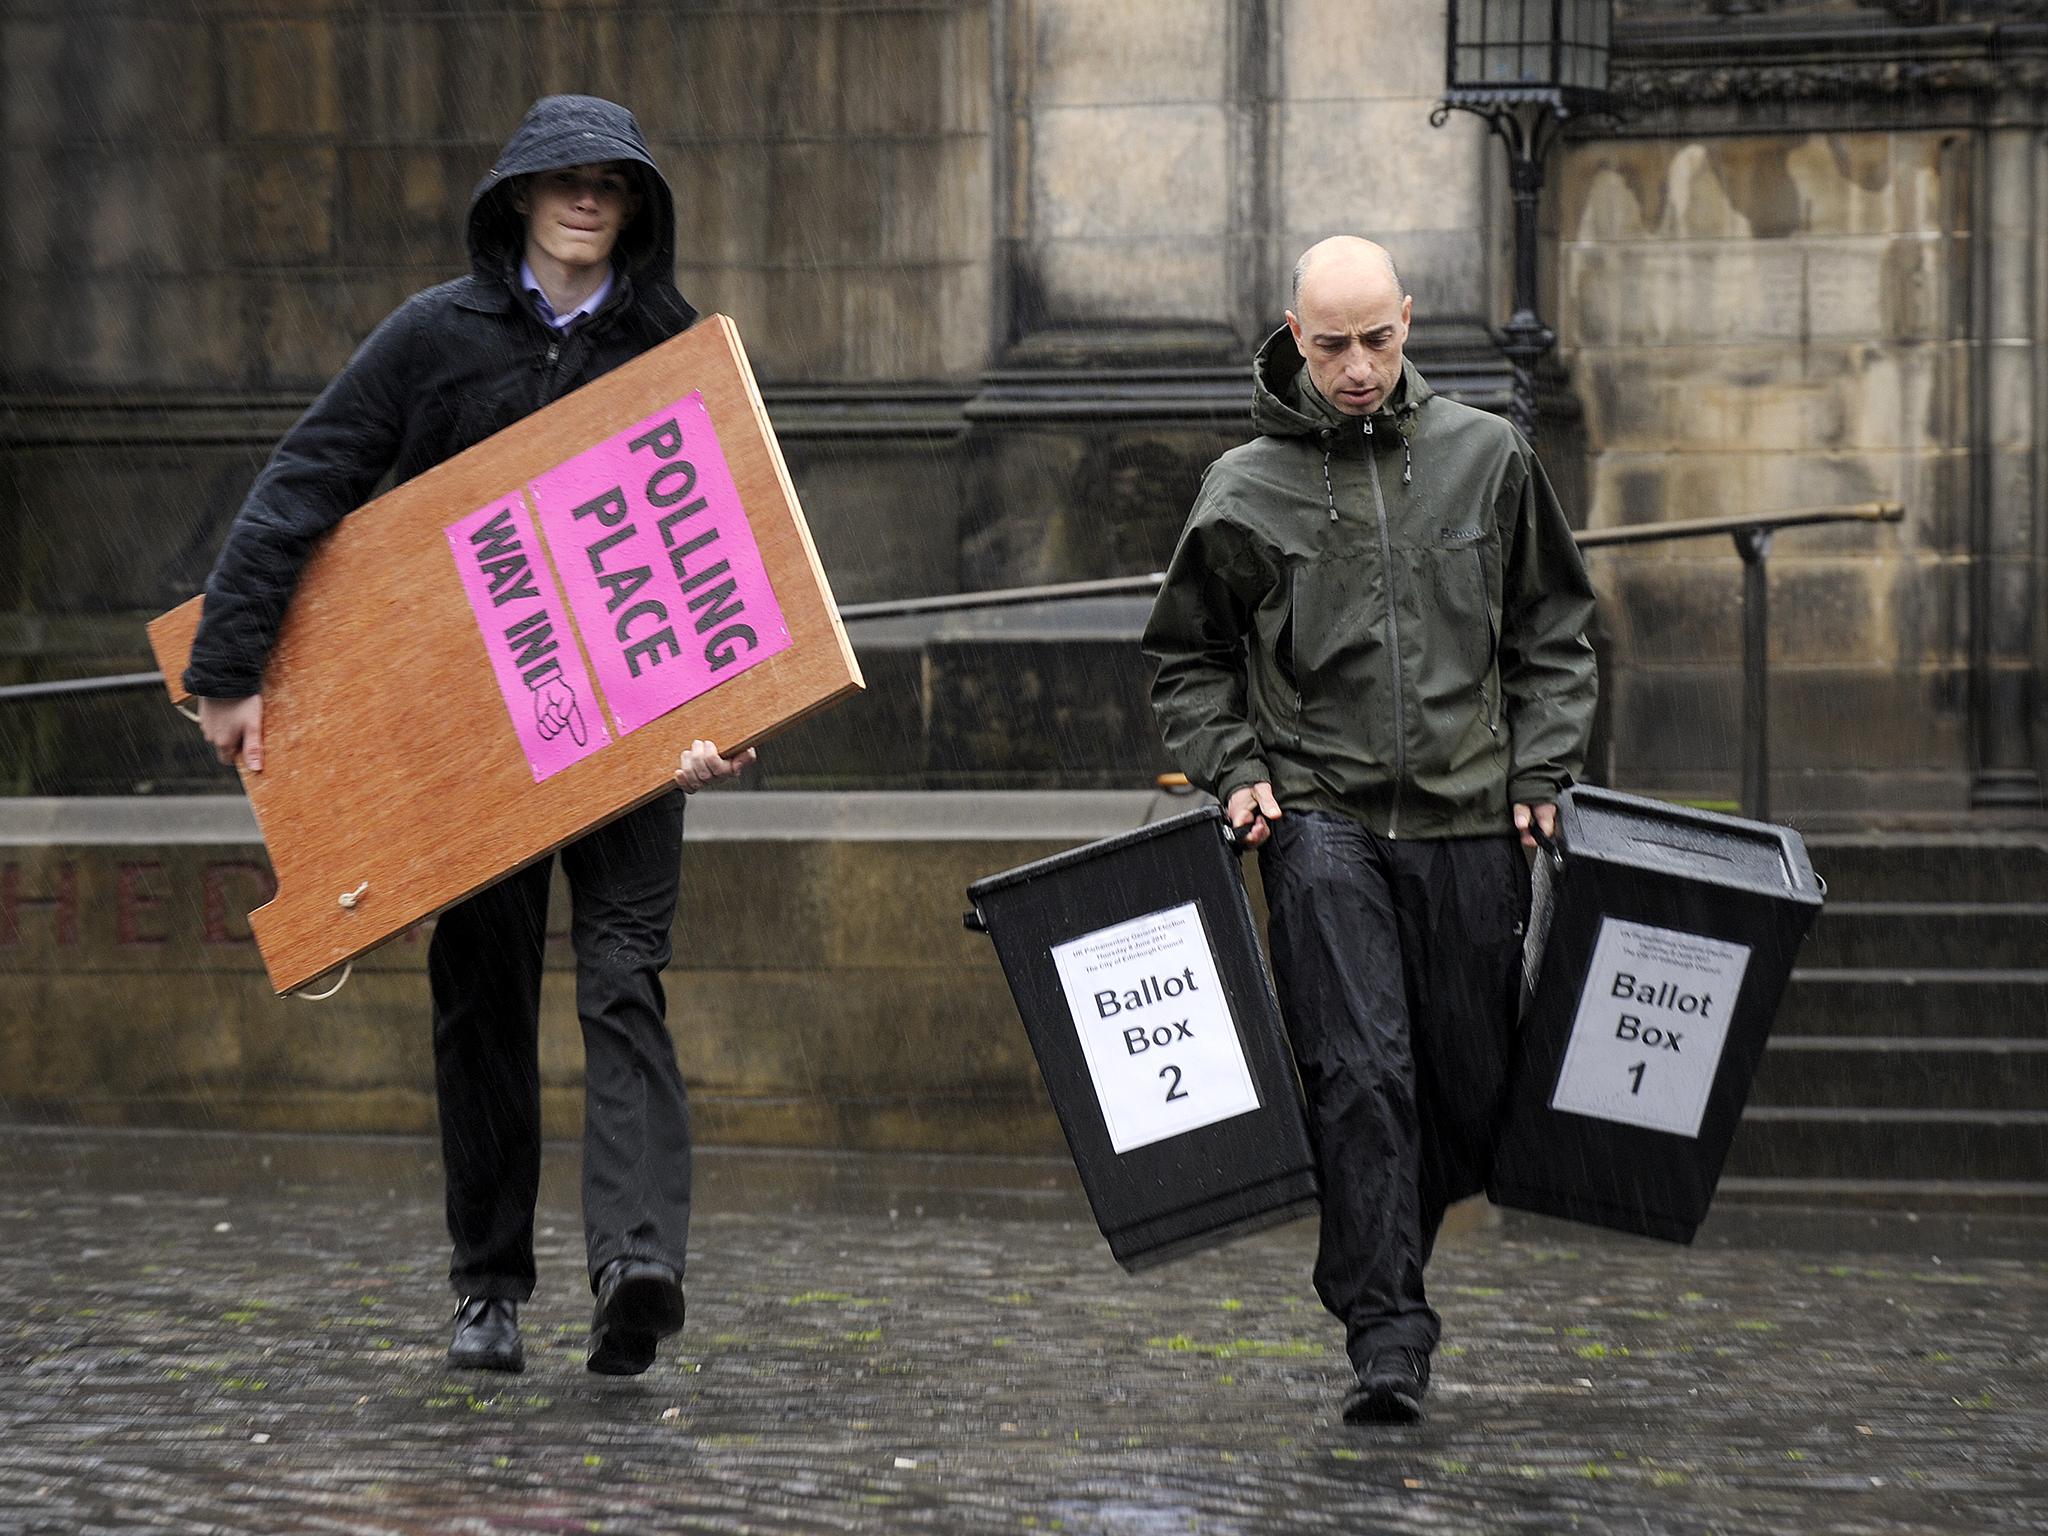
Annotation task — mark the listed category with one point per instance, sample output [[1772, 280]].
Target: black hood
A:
[[579, 130]]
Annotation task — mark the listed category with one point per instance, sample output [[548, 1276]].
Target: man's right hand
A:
[[234, 727], [1253, 807]]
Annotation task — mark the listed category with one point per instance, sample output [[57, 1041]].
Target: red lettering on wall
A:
[[62, 907], [214, 883], [131, 901]]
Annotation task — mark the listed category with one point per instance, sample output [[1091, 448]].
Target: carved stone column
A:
[[2008, 428]]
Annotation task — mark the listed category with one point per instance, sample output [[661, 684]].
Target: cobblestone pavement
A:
[[208, 1333]]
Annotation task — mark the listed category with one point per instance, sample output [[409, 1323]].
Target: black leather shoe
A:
[[1390, 1388], [639, 1303], [487, 1336]]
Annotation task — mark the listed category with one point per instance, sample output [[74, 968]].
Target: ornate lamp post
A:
[[1524, 66]]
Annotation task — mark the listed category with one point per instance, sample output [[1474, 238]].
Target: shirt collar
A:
[[588, 307]]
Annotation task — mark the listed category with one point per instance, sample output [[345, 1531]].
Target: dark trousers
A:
[[1399, 970], [485, 964]]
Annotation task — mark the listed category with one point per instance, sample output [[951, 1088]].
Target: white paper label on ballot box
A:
[[1155, 1030], [1651, 1023]]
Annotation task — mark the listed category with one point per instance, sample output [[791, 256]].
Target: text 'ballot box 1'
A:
[[1660, 942], [1136, 966]]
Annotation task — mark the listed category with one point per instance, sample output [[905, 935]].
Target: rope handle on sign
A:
[[347, 901], [347, 969]]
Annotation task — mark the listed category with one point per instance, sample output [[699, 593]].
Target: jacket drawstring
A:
[[1330, 490]]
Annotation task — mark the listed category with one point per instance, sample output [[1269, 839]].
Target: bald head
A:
[[1345, 251], [1350, 322]]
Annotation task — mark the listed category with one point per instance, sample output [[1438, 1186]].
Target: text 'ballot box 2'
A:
[[1136, 966], [1660, 942]]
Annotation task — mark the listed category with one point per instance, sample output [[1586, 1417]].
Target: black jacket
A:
[[443, 372]]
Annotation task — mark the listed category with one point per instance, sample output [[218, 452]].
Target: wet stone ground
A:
[[203, 1333]]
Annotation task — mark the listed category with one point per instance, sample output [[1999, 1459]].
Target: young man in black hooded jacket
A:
[[572, 255]]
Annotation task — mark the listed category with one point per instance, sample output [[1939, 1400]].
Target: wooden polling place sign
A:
[[516, 647]]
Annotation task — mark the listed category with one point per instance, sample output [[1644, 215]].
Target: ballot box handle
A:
[[1234, 838], [1548, 844]]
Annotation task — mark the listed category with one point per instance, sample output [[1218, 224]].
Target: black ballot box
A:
[[1660, 940], [1137, 970]]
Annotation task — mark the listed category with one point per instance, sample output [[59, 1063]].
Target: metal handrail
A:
[[110, 684], [1769, 522], [1752, 536], [1003, 597]]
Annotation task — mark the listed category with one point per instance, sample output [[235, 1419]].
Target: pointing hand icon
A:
[[555, 710]]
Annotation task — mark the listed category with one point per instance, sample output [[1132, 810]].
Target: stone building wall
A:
[[1760, 324], [1000, 264], [1807, 269], [227, 195], [217, 201], [1173, 157]]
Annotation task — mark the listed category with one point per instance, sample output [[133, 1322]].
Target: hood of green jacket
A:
[[1381, 616], [1286, 404]]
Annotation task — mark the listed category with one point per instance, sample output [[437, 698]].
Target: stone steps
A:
[[1972, 1146], [1872, 867], [1896, 1003], [1911, 1052], [1881, 1072], [1917, 935]]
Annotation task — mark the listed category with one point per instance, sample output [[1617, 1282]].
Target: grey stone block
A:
[[399, 205], [876, 738], [1659, 295], [1139, 279], [885, 516], [35, 107], [1350, 49], [1137, 51], [285, 200], [1129, 171], [722, 218], [283, 78], [1377, 168], [914, 72], [1898, 289], [1682, 725]]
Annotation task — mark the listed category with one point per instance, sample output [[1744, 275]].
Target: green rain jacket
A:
[[1383, 617]]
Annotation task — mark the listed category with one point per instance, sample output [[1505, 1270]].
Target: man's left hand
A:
[[702, 765], [1544, 816]]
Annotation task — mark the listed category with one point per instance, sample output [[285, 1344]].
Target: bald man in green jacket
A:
[[1371, 647]]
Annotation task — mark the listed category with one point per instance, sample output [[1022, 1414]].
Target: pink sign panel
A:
[[661, 569], [526, 630]]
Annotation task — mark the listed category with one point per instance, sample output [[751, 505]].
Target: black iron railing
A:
[[1752, 536]]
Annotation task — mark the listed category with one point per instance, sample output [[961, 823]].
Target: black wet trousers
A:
[[1399, 968], [485, 964]]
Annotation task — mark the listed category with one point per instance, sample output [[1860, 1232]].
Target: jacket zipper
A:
[[1486, 704], [1293, 643], [547, 372], [1379, 503]]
